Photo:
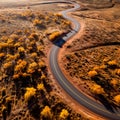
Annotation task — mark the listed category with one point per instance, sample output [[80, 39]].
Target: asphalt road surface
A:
[[104, 110]]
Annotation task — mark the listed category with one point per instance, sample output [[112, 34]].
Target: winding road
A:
[[103, 110]]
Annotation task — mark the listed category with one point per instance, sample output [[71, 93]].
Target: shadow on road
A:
[[59, 42]]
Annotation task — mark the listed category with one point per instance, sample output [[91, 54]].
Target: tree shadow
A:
[[59, 42], [34, 108], [102, 82], [110, 107]]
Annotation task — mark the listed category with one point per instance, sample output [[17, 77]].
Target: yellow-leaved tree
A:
[[41, 87], [92, 73], [64, 114], [30, 92], [32, 67], [46, 112], [114, 82], [97, 89], [54, 35], [117, 99]]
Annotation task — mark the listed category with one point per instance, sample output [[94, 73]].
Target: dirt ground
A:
[[23, 24], [98, 39], [24, 73]]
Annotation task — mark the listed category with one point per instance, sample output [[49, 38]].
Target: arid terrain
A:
[[92, 57], [90, 60], [26, 90]]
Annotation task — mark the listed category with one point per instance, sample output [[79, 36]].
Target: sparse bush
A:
[[64, 114], [46, 112], [42, 64], [37, 22], [32, 67], [7, 65], [92, 73], [117, 99], [97, 89], [2, 55], [58, 14], [41, 87], [30, 92], [34, 36], [118, 71], [54, 35], [21, 64], [114, 82], [43, 77], [112, 63], [21, 49]]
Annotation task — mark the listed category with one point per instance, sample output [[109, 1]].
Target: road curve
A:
[[100, 109]]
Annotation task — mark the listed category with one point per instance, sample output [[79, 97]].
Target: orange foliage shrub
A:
[[37, 22], [58, 14], [46, 112], [113, 62], [10, 41], [7, 65], [10, 57], [21, 64], [41, 87], [54, 35], [117, 99], [41, 64], [118, 71], [16, 76], [92, 73], [34, 36], [64, 114], [34, 55], [97, 89], [114, 82], [43, 77], [32, 67], [30, 92], [18, 44], [21, 49], [2, 55], [3, 45]]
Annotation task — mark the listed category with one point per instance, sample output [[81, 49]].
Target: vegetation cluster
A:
[[99, 68], [26, 91]]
